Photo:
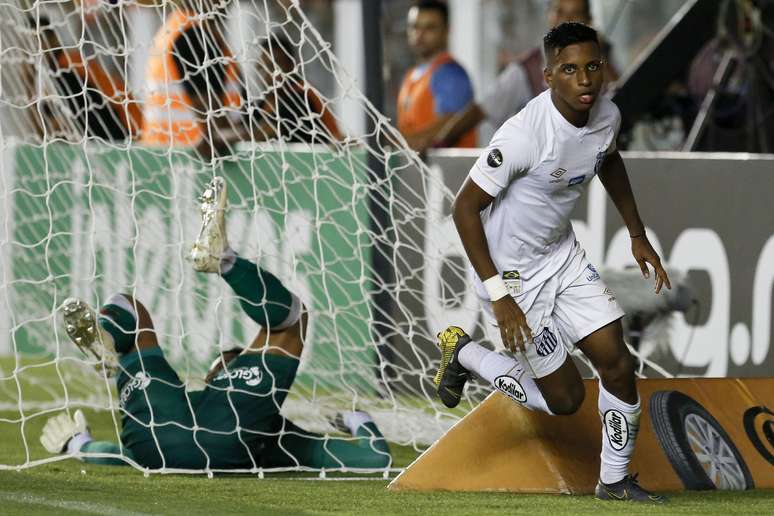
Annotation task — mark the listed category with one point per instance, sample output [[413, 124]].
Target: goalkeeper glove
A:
[[64, 433]]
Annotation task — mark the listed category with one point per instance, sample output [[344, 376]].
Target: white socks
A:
[[121, 301], [505, 374], [620, 420], [620, 423], [227, 260], [355, 419]]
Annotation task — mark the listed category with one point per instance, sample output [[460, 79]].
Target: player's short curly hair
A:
[[566, 34]]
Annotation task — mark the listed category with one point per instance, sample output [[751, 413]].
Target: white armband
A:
[[496, 288]]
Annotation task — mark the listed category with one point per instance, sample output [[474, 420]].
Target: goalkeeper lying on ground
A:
[[234, 423]]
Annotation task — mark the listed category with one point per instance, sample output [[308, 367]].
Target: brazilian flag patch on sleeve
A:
[[512, 280]]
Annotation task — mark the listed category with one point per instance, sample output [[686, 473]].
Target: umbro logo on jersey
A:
[[557, 175], [495, 158]]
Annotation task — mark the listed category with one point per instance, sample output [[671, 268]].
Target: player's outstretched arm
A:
[[616, 181], [466, 211]]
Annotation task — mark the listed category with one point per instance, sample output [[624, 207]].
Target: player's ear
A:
[[548, 75]]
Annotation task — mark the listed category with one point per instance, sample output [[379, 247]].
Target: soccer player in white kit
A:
[[513, 217]]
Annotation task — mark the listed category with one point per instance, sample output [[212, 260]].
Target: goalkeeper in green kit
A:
[[235, 422]]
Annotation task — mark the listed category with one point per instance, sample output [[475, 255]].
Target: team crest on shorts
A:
[[512, 280], [495, 158], [545, 342]]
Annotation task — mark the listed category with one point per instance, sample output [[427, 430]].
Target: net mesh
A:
[[93, 204]]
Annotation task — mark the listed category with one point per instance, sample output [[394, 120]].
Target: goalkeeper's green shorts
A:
[[222, 427]]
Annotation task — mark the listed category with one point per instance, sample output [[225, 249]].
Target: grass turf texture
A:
[[72, 487]]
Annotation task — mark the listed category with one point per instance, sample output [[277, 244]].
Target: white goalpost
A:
[[87, 215]]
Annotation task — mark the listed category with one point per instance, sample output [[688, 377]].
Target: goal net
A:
[[94, 202]]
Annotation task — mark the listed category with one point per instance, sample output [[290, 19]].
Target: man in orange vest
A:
[[99, 103], [437, 87], [194, 91]]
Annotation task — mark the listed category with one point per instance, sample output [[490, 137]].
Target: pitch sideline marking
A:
[[93, 508]]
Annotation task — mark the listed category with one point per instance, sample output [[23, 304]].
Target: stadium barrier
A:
[[113, 211], [501, 446], [707, 214]]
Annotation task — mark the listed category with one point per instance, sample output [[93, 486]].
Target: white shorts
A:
[[569, 306]]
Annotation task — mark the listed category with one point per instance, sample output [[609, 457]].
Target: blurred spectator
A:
[[193, 83], [741, 118], [100, 105], [521, 80], [437, 87], [289, 107]]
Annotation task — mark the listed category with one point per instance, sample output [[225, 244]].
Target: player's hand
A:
[[645, 254], [514, 329], [59, 429]]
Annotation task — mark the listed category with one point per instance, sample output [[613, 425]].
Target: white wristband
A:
[[496, 288]]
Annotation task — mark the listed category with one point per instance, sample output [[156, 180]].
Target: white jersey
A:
[[536, 168]]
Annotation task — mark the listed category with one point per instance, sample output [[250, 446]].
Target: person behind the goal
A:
[[513, 217], [235, 421]]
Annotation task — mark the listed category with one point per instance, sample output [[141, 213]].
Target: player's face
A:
[[427, 32], [562, 11], [575, 77]]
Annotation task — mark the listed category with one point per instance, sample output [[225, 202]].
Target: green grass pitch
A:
[[73, 487]]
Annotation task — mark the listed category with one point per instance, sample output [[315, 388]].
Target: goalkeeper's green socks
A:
[[119, 318], [262, 295]]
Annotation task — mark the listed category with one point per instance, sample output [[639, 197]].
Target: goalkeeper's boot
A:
[[81, 325], [627, 489], [451, 376], [211, 244]]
